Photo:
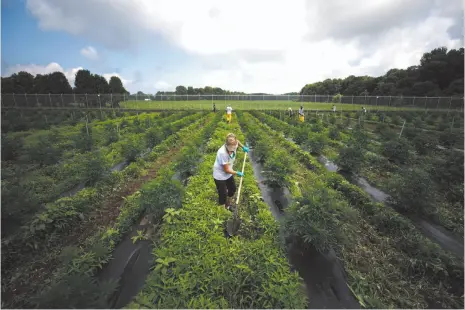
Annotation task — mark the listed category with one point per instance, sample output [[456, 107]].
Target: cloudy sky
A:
[[253, 46]]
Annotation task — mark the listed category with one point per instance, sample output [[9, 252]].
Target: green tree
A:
[[181, 90], [116, 86], [84, 82]]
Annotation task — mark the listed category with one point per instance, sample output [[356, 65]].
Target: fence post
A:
[[87, 103], [352, 99], [50, 98], [450, 103], [27, 103], [437, 106], [402, 129], [14, 99], [37, 100], [87, 128], [414, 101], [46, 120]]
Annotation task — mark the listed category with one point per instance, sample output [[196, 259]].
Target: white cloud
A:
[[90, 52], [163, 86], [272, 46], [126, 82]]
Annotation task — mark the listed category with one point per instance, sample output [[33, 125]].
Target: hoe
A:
[[232, 226]]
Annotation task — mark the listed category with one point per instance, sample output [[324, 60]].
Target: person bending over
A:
[[223, 172]]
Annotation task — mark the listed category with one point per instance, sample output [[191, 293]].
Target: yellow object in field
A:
[[228, 117], [301, 118]]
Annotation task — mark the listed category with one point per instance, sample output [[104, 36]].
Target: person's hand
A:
[[240, 174], [245, 149]]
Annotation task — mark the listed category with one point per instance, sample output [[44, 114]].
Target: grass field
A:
[[254, 105]]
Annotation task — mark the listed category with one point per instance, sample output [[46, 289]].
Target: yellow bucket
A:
[[301, 118]]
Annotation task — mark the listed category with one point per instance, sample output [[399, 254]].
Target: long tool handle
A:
[[240, 182]]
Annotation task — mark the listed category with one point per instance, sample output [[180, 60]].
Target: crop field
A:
[[114, 209], [251, 105]]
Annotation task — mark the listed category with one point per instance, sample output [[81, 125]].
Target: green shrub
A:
[[412, 191], [425, 143], [334, 133], [318, 126], [385, 131], [450, 138], [278, 167], [447, 171], [350, 159], [316, 142], [397, 151], [397, 120], [299, 134], [319, 219]]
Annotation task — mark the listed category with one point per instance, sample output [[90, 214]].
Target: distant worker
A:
[[228, 113], [364, 110], [289, 111], [214, 107], [301, 114], [334, 108]]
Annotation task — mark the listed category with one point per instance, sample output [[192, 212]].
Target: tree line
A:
[[207, 90], [440, 73], [57, 83]]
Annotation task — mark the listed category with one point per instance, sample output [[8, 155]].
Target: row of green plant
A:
[[22, 195], [46, 147], [328, 212], [197, 267], [77, 274], [420, 178], [23, 120], [430, 120], [56, 214], [153, 199], [360, 199]]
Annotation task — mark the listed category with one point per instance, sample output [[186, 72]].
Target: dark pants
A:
[[225, 188]]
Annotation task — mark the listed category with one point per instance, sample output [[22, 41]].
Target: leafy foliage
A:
[[350, 159], [397, 150]]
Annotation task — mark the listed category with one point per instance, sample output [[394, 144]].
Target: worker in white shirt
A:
[[228, 113], [301, 113]]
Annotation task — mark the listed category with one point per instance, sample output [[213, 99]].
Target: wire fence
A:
[[202, 102]]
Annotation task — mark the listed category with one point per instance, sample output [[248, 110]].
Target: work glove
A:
[[240, 174], [245, 149]]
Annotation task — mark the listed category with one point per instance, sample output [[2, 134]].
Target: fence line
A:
[[114, 100]]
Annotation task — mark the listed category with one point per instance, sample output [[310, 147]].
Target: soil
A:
[[324, 278]]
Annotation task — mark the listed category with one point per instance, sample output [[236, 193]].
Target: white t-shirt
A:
[[334, 108], [301, 111], [228, 110], [223, 158]]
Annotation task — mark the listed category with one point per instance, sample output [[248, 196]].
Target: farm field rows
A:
[[88, 203], [422, 178]]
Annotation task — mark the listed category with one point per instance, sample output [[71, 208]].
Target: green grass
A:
[[252, 105]]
